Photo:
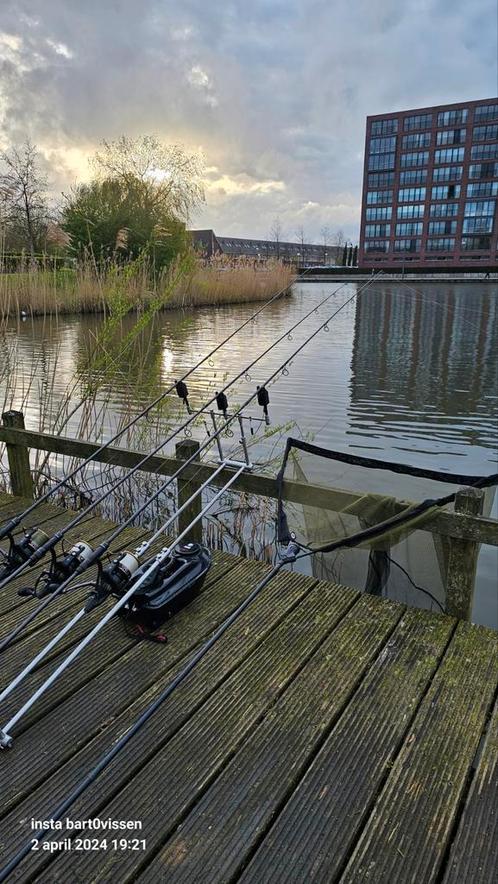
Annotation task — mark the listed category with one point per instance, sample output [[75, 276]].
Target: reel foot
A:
[[5, 740]]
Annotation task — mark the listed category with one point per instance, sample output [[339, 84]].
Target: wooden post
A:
[[21, 480], [186, 487], [462, 559]]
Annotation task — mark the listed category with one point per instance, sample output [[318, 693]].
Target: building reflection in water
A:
[[427, 357]]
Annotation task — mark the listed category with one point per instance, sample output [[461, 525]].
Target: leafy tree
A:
[[23, 188], [119, 219], [140, 201]]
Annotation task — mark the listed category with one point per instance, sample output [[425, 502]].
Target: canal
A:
[[406, 374]]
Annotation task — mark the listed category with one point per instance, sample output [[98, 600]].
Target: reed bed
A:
[[88, 288]]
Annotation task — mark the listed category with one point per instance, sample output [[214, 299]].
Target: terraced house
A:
[[430, 188]]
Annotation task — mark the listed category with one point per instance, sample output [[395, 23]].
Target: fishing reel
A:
[[113, 579], [20, 550], [60, 570]]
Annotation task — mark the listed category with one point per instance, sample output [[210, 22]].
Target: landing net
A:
[[326, 496]]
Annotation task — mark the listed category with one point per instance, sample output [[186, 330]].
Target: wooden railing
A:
[[464, 530]]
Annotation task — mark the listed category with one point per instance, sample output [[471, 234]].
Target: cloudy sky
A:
[[273, 92]]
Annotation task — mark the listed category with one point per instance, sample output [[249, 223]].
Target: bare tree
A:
[[339, 238], [301, 238], [167, 173], [276, 233], [24, 186], [325, 234]]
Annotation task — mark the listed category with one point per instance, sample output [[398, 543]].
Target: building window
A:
[[444, 210], [384, 127], [485, 152], [449, 155], [382, 145], [480, 207], [485, 133], [416, 211], [407, 245], [379, 196], [419, 139], [473, 243], [477, 225], [485, 113], [418, 121], [447, 173], [445, 244], [381, 179], [452, 117], [414, 159], [411, 194], [451, 136], [450, 192], [409, 229], [483, 188], [413, 176], [483, 170], [437, 228], [377, 230], [377, 245], [381, 161], [381, 214]]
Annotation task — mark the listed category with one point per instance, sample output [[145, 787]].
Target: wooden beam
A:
[[460, 525]]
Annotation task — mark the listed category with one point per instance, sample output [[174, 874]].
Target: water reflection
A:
[[424, 369]]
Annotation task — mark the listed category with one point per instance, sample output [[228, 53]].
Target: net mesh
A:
[[326, 497]]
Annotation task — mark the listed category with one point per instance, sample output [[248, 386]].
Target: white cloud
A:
[[60, 49], [276, 93]]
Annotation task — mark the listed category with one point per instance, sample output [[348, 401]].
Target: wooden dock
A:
[[329, 736]]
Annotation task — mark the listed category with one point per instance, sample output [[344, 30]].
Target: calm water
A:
[[403, 375]]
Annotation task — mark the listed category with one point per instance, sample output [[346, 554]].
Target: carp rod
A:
[[14, 523], [94, 555], [125, 564], [97, 598], [292, 554], [36, 543]]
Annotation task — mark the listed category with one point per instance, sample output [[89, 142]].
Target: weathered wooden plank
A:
[[213, 841], [407, 834], [292, 664], [474, 852], [83, 713], [251, 632], [317, 828]]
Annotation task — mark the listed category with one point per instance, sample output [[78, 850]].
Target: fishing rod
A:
[[14, 523], [5, 739], [35, 544], [116, 581], [79, 565], [291, 555], [106, 759], [122, 566]]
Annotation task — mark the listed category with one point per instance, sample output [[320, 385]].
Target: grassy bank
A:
[[88, 289]]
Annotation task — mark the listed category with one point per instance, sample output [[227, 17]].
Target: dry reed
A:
[[36, 291]]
